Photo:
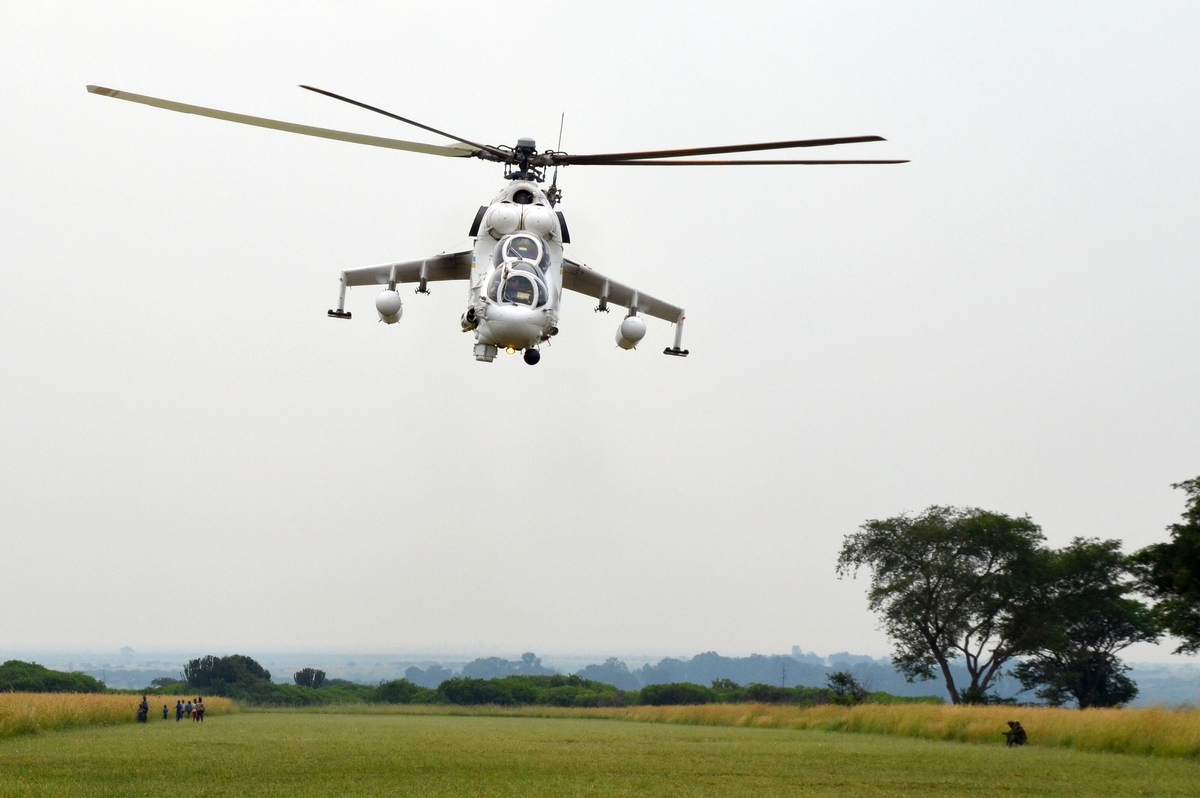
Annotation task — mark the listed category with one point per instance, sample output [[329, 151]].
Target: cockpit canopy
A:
[[522, 248], [520, 262]]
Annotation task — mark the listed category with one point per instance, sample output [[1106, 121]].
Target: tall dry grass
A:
[[29, 713], [1154, 732], [1149, 732]]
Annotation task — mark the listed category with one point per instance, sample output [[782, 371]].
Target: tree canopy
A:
[[1170, 573], [1086, 617], [309, 677], [210, 671], [30, 677], [951, 583]]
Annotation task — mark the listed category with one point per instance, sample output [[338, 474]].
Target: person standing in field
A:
[[164, 712], [196, 710], [200, 709], [187, 709], [178, 711], [143, 710]]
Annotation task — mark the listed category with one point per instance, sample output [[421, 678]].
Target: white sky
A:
[[194, 456]]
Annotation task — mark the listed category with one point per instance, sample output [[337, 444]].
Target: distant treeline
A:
[[797, 670], [241, 678]]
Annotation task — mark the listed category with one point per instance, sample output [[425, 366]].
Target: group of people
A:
[[192, 709], [182, 710]]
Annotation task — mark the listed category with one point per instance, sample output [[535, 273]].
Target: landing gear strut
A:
[[341, 312], [677, 350]]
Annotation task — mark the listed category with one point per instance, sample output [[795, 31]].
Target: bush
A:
[[675, 693], [468, 691], [770, 694], [557, 690], [29, 677], [402, 691], [846, 689]]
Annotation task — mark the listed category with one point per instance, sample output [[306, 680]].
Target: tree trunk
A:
[[941, 660]]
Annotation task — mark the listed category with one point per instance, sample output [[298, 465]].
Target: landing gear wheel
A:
[[532, 356]]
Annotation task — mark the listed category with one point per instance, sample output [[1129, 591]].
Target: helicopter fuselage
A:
[[515, 291]]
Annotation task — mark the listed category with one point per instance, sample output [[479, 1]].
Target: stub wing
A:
[[581, 279], [448, 266]]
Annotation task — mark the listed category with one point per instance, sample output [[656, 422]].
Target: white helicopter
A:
[[516, 269]]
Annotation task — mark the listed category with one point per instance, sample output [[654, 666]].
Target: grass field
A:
[[30, 713], [318, 754], [1148, 732], [1151, 732]]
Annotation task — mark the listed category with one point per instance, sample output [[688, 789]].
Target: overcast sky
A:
[[194, 456]]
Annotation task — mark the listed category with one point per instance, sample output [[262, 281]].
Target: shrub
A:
[[846, 689], [769, 694], [402, 691], [675, 693], [468, 691]]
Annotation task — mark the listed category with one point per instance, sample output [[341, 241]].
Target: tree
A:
[[949, 583], [309, 677], [614, 672], [30, 677], [845, 688], [1086, 618], [233, 669], [1169, 573]]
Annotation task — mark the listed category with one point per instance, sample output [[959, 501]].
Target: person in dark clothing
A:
[[165, 713], [143, 710], [178, 711], [1015, 735]]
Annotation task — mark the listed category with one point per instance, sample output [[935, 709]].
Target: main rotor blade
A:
[[737, 163], [773, 145], [454, 151], [497, 153]]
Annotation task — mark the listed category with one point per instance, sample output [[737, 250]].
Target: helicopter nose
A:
[[515, 327]]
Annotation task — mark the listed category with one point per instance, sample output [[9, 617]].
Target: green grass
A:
[[299, 754]]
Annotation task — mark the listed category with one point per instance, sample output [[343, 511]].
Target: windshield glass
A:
[[522, 248], [493, 289], [518, 289]]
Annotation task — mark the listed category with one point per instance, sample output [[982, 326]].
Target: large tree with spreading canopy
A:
[[1170, 573], [952, 584]]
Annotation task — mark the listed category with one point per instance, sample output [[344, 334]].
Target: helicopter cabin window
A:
[[522, 247], [519, 290], [493, 290]]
